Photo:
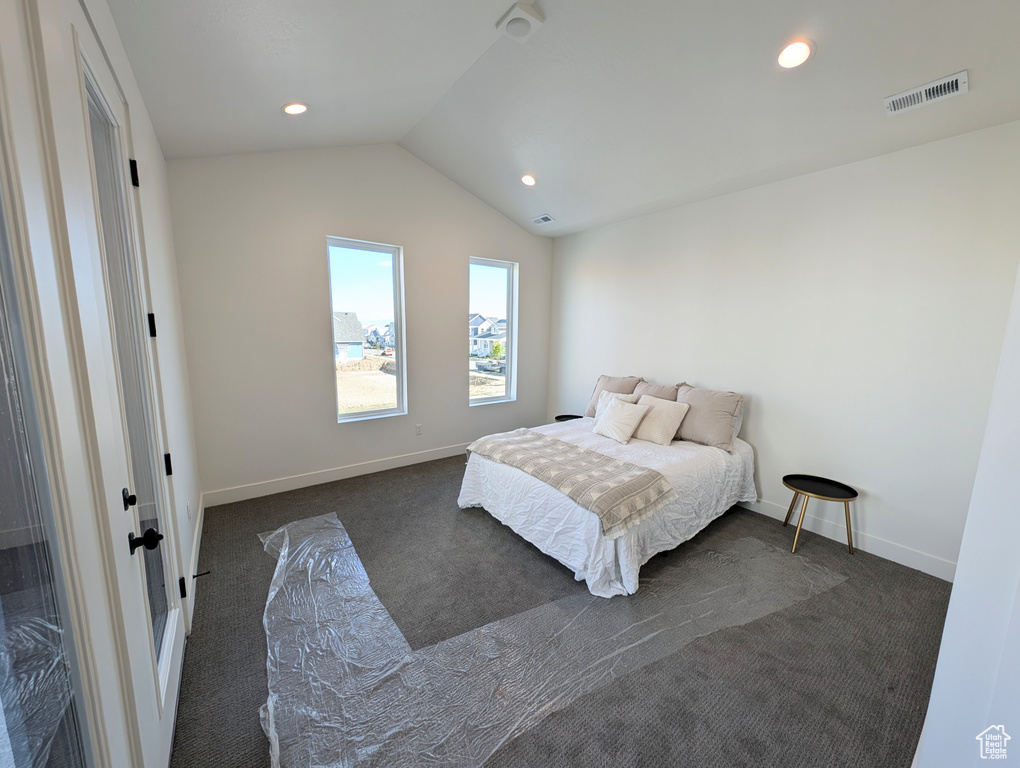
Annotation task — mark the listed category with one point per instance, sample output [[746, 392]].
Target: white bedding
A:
[[708, 481]]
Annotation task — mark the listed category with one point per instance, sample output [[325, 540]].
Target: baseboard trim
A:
[[189, 577], [835, 529], [269, 487]]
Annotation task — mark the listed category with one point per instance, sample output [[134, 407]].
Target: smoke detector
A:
[[545, 218], [936, 90], [521, 21]]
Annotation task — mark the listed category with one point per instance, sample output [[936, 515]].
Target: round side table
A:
[[810, 486], [567, 417]]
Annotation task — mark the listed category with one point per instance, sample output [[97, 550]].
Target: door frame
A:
[[30, 182]]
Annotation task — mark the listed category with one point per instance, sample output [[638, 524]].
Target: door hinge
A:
[[152, 325], [168, 464], [134, 172]]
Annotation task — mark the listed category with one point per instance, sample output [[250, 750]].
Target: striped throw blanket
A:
[[621, 494]]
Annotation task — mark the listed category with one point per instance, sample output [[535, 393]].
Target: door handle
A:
[[129, 499], [150, 539]]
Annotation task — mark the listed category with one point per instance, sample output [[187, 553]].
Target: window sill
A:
[[370, 415]]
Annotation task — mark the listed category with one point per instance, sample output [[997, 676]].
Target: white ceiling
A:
[[215, 73], [618, 108]]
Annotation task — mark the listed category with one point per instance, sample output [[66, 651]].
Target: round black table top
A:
[[819, 487], [567, 417]]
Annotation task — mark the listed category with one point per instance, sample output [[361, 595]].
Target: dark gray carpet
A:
[[840, 679]]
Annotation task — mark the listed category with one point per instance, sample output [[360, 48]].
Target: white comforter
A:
[[708, 481]]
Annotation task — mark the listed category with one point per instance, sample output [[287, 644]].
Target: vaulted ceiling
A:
[[617, 108]]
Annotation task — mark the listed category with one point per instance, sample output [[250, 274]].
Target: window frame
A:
[[400, 352], [513, 269]]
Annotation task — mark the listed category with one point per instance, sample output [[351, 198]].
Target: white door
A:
[[92, 142]]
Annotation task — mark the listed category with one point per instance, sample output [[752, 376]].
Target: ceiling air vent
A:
[[545, 218], [937, 90]]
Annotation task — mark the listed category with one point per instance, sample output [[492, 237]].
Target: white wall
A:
[[978, 674], [251, 242], [861, 310]]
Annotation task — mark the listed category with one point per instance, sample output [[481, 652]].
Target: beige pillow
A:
[[619, 420], [662, 422], [607, 397], [712, 416], [656, 390], [622, 384]]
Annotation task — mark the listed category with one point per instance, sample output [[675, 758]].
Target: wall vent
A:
[[937, 90], [545, 218]]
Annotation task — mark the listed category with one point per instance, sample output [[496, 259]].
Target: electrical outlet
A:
[[417, 429]]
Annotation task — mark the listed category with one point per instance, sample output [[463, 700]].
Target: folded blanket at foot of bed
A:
[[619, 493]]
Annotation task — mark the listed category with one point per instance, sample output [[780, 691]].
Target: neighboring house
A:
[[348, 337], [380, 335], [482, 345], [373, 335], [479, 325], [483, 332]]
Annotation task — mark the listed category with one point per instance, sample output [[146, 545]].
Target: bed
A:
[[707, 481]]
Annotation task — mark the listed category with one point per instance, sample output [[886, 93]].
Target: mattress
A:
[[708, 481]]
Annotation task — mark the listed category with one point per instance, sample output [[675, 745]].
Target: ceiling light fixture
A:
[[521, 21], [519, 27], [795, 54], [296, 108], [528, 180]]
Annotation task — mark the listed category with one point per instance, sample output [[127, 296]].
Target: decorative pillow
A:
[[622, 384], [607, 397], [739, 421], [712, 416], [662, 422], [655, 390], [619, 420]]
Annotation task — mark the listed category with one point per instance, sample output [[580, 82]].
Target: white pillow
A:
[[605, 398], [661, 423], [619, 420]]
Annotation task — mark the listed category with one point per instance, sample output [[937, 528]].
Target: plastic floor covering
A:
[[345, 689]]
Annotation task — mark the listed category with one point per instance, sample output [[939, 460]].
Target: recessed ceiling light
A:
[[795, 54], [518, 27], [521, 21], [296, 108], [528, 180]]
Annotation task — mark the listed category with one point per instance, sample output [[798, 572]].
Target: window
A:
[[492, 308], [368, 328]]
